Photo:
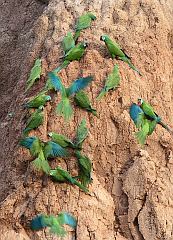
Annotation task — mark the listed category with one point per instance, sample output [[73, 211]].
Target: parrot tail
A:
[[77, 34], [80, 185], [63, 65], [125, 59], [102, 93], [94, 112], [167, 128]]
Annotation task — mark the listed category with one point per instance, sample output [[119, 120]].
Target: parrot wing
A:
[[56, 82], [53, 150], [27, 142], [66, 218], [79, 84]]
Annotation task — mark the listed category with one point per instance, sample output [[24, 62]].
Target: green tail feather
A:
[[77, 34], [94, 112], [125, 59], [63, 65], [166, 127], [101, 94], [80, 185], [141, 137], [64, 109]]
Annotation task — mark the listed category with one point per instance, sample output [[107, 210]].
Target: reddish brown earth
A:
[[131, 194]]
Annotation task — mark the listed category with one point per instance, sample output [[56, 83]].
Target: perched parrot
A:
[[81, 134], [68, 42], [35, 120], [34, 74], [64, 107], [82, 100], [35, 146], [61, 175], [52, 150], [151, 115], [60, 139], [39, 100], [55, 223], [73, 54], [83, 22], [85, 168], [116, 51], [112, 82]]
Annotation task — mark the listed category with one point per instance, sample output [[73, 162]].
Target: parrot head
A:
[[48, 98], [84, 44], [140, 101], [92, 16], [104, 38], [41, 107], [50, 134]]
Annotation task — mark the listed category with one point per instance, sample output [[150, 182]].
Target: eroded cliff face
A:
[[131, 190]]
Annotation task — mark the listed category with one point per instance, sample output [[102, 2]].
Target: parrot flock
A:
[[60, 146]]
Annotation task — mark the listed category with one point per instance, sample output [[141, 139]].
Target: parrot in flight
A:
[[82, 100], [39, 100], [73, 54], [55, 223], [116, 51], [61, 175], [64, 107], [35, 120], [42, 151], [68, 42], [62, 140], [34, 74], [83, 22], [85, 168], [112, 82]]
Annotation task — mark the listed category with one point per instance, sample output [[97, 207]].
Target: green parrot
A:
[[151, 115], [61, 175], [116, 51], [81, 134], [73, 54], [62, 140], [36, 119], [83, 22], [82, 100], [68, 42], [64, 108], [85, 168], [34, 74], [112, 82], [39, 100]]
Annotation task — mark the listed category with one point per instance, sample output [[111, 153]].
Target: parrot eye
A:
[[85, 44], [50, 134]]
